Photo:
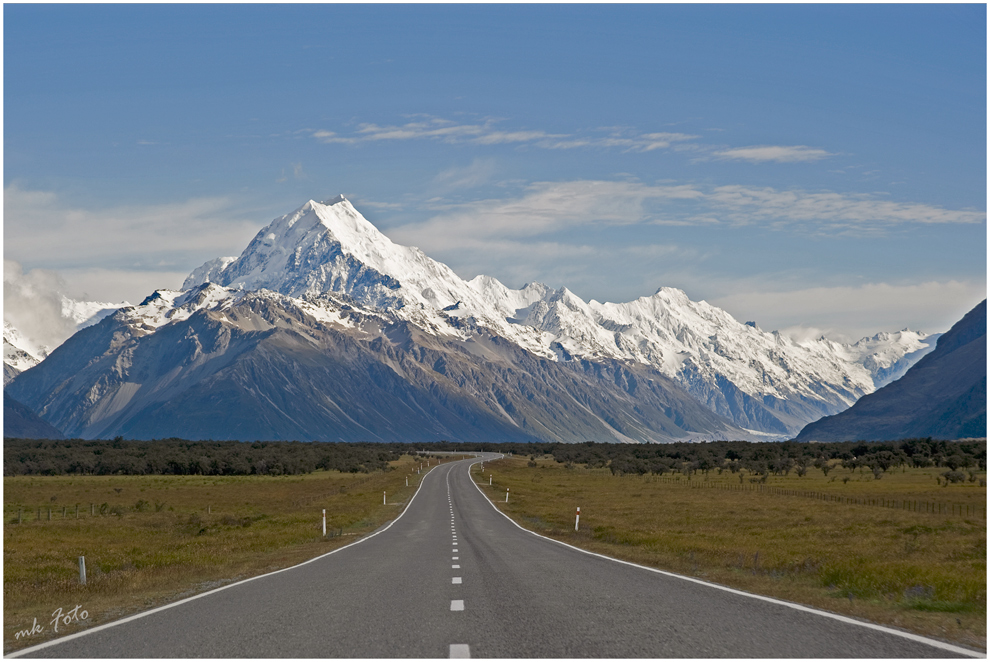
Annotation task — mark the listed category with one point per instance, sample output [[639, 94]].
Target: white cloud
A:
[[552, 206], [41, 229], [858, 311], [486, 133], [778, 153], [544, 207], [835, 211], [32, 302], [116, 285]]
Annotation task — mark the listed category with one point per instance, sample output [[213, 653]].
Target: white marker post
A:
[[577, 518], [82, 570], [489, 479], [507, 495], [407, 481], [383, 499], [324, 522]]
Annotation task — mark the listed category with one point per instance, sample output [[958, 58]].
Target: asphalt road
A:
[[454, 577]]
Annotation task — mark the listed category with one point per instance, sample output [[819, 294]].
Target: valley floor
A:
[[846, 542], [150, 540]]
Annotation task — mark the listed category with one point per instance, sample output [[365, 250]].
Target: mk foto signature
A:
[[75, 615]]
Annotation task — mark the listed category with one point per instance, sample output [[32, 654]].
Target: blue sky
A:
[[812, 168]]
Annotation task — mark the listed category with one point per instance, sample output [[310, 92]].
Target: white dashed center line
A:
[[455, 558], [460, 651], [455, 580], [455, 567], [456, 605]]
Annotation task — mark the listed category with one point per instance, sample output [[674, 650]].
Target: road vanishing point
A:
[[454, 577]]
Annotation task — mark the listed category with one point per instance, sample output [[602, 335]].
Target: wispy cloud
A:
[[545, 207], [777, 153], [487, 132], [41, 229], [297, 173], [827, 211], [480, 172]]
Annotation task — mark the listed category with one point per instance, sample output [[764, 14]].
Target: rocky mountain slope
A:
[[21, 422], [267, 366], [21, 352], [944, 395], [709, 374]]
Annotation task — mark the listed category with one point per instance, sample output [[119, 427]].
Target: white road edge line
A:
[[793, 605], [460, 651], [134, 617]]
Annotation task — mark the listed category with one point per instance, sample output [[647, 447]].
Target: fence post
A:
[[82, 570]]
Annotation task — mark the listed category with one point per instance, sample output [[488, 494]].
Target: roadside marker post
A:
[[82, 570], [407, 481], [324, 522], [383, 499], [577, 518], [507, 495], [489, 479]]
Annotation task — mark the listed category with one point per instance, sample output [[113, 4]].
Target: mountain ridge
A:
[[327, 260], [943, 395]]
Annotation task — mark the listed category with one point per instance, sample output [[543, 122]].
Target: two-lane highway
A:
[[453, 577]]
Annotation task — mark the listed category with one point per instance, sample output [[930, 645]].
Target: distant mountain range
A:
[[21, 352], [944, 395], [323, 328]]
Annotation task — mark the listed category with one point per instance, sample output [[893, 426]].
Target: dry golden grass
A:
[[174, 536], [917, 571]]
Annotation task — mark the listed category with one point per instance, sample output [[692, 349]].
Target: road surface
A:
[[453, 577]]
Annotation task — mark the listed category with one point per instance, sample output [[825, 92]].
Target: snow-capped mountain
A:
[[762, 381], [21, 352], [324, 269]]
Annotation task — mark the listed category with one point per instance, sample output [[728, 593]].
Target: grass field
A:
[[160, 538], [919, 571]]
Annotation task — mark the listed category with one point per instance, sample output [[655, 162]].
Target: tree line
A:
[[235, 458], [181, 457]]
